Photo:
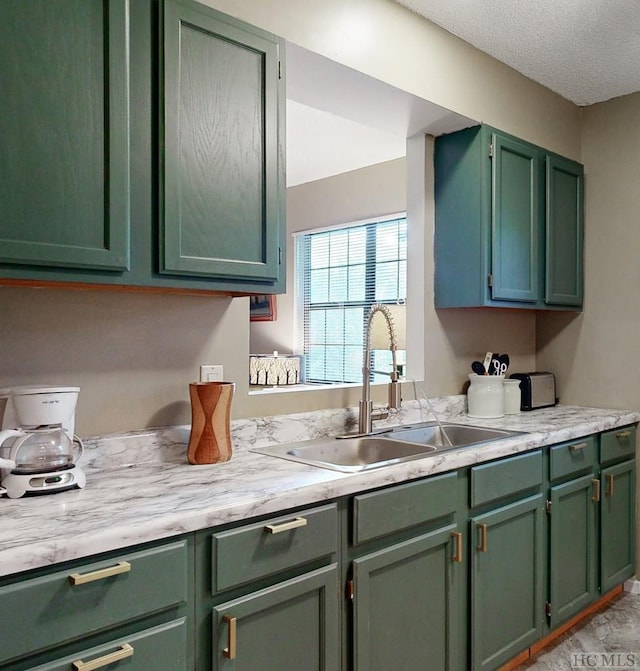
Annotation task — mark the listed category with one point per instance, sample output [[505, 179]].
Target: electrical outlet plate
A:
[[211, 373]]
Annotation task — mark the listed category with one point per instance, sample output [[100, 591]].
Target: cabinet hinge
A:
[[491, 150], [490, 280], [350, 590], [549, 507], [547, 608]]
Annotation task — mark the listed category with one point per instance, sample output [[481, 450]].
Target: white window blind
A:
[[340, 273]]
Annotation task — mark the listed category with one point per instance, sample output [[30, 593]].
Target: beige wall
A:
[[596, 354], [134, 354], [394, 45]]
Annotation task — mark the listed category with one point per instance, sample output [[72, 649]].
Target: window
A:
[[340, 273]]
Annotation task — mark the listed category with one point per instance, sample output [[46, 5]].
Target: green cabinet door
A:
[[221, 191], [564, 232], [405, 605], [292, 625], [64, 124], [161, 648], [516, 219], [507, 589], [617, 524], [504, 235], [572, 548]]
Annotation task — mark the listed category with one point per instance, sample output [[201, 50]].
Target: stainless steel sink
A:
[[349, 454], [449, 436], [399, 445]]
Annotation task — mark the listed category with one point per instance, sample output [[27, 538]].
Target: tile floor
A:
[[613, 629]]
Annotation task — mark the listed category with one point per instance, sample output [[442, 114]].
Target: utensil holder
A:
[[485, 397], [210, 438]]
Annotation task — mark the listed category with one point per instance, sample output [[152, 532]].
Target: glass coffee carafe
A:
[[39, 450]]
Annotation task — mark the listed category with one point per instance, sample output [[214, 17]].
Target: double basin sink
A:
[[406, 443]]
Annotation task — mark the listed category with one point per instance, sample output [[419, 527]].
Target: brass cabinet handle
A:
[[609, 485], [622, 434], [125, 651], [596, 490], [483, 538], [578, 446], [230, 651], [457, 540], [100, 574], [286, 526]]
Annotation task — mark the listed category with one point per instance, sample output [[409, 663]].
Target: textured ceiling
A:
[[585, 50]]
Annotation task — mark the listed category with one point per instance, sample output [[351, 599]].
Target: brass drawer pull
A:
[[483, 538], [286, 526], [578, 446], [457, 540], [609, 485], [596, 490], [125, 651], [622, 434], [230, 651], [100, 574]]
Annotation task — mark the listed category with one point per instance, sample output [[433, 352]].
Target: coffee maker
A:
[[37, 440]]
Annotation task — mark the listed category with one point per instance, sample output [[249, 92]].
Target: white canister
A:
[[485, 397], [511, 397]]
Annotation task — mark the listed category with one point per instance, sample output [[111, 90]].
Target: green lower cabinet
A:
[[617, 524], [161, 648], [405, 600], [572, 548], [292, 625], [507, 587]]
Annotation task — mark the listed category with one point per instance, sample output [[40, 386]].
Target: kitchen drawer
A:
[[617, 444], [572, 458], [162, 648], [507, 477], [50, 609], [259, 550], [390, 510]]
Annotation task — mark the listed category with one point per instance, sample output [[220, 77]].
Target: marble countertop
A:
[[140, 487]]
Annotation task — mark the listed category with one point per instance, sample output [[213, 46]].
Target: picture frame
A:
[[262, 308]]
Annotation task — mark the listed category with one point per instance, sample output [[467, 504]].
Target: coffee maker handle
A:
[[8, 433]]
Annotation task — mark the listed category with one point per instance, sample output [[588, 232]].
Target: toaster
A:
[[537, 390]]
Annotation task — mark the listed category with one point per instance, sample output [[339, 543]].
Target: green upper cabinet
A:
[[220, 160], [509, 223], [64, 129], [141, 145], [564, 231], [515, 219]]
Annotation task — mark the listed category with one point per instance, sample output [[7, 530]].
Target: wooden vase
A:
[[210, 439]]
